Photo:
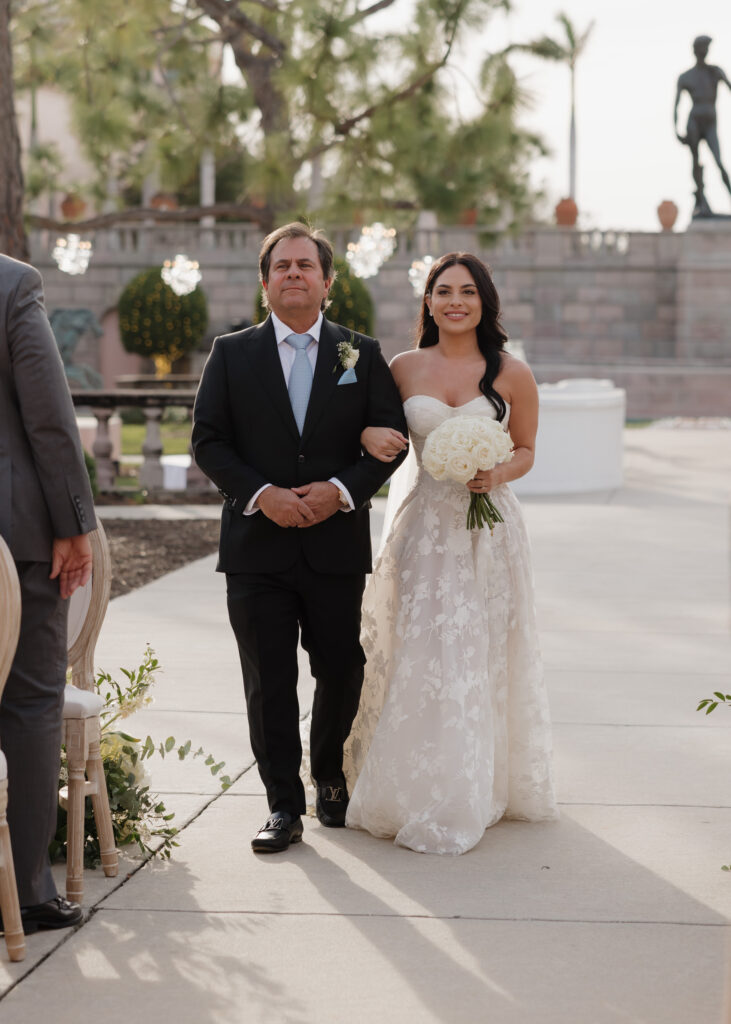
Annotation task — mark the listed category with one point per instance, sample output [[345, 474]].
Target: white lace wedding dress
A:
[[453, 730]]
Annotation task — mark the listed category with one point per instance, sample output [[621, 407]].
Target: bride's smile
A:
[[455, 302]]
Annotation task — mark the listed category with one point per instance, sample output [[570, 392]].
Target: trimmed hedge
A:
[[156, 323]]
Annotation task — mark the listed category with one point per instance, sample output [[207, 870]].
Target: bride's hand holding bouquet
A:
[[460, 449]]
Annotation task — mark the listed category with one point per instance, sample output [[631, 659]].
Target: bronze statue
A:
[[69, 326], [701, 83]]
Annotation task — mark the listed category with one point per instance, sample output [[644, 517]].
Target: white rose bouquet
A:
[[461, 446]]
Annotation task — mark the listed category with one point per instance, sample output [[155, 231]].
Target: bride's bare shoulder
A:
[[410, 356], [405, 364], [515, 370]]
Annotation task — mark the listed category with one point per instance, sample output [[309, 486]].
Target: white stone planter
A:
[[579, 442], [175, 472]]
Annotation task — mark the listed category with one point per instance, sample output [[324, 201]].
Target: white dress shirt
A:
[[287, 356]]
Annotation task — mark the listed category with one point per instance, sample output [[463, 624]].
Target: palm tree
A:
[[567, 51]]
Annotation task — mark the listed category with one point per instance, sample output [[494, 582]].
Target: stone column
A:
[[151, 472], [102, 451]]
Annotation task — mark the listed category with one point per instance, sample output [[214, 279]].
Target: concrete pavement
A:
[[618, 912]]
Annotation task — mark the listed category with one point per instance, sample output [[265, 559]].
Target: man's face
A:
[[296, 286]]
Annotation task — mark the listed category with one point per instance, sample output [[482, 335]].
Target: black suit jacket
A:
[[245, 436]]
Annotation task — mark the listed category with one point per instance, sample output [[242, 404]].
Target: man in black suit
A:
[[277, 424]]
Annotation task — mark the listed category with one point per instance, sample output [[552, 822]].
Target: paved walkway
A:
[[619, 912]]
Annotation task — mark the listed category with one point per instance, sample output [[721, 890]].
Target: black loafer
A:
[[332, 802], [55, 913], [280, 829]]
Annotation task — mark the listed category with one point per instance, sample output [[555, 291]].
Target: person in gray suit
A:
[[46, 510]]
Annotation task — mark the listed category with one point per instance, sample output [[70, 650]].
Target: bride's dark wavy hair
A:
[[491, 335]]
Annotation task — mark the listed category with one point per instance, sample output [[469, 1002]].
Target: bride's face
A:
[[455, 302]]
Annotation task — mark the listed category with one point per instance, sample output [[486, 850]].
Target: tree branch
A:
[[344, 128], [359, 16], [239, 211], [227, 11]]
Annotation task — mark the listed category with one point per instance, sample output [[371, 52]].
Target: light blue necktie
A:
[[300, 378]]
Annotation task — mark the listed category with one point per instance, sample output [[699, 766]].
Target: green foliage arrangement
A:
[[709, 704], [350, 302], [156, 323], [139, 817]]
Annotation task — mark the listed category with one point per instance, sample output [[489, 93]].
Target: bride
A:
[[453, 730]]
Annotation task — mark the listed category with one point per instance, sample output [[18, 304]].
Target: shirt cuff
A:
[[250, 509], [346, 492]]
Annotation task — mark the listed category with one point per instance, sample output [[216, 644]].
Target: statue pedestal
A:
[[703, 292]]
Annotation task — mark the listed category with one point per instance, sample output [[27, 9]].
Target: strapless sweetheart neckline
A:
[[445, 404]]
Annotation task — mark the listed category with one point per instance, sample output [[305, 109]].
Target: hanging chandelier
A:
[[72, 254], [181, 274], [418, 273], [375, 245]]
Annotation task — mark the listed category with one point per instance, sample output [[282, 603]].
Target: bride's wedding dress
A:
[[453, 730]]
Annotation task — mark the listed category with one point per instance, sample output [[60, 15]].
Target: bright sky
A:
[[628, 158]]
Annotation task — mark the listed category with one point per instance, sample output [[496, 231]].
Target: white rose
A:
[[433, 464], [484, 455], [460, 467]]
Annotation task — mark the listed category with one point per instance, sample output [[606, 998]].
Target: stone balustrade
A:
[[153, 402], [649, 310]]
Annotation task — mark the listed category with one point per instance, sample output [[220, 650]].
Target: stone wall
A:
[[652, 311]]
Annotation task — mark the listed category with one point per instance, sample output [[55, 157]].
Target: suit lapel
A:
[[325, 378], [264, 356]]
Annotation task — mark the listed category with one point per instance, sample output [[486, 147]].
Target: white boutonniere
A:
[[348, 354]]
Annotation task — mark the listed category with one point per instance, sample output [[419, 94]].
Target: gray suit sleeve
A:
[[47, 411]]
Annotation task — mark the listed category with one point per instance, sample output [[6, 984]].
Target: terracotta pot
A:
[[566, 212], [164, 201], [468, 217], [72, 206], [667, 214]]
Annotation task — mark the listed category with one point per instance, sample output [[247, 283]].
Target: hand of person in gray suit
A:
[[71, 562]]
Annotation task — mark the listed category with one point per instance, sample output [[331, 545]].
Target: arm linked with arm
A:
[[384, 409]]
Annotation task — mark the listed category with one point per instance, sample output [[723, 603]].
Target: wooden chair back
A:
[[82, 724], [10, 610], [87, 608]]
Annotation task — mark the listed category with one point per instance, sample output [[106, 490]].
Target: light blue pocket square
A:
[[348, 377]]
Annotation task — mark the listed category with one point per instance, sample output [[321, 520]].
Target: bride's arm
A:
[[383, 443], [521, 391]]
